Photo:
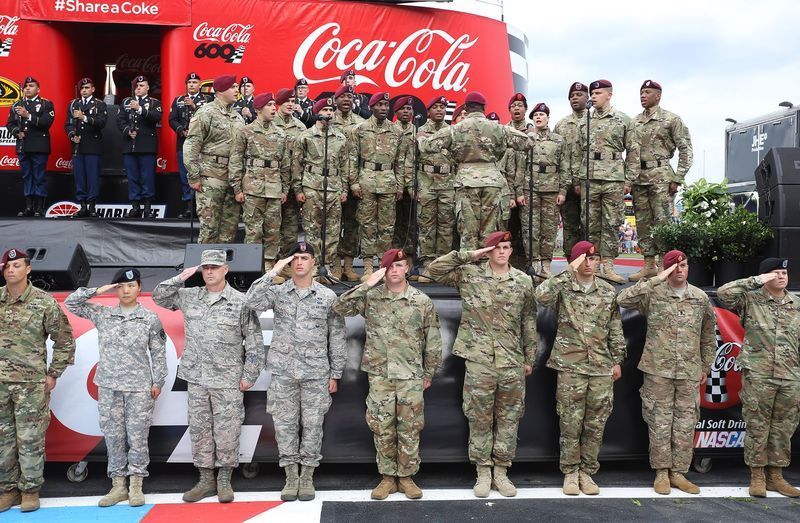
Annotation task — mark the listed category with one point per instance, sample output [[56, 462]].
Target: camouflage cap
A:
[[213, 257], [391, 256], [13, 254]]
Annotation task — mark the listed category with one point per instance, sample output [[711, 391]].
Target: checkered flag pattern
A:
[[716, 386], [5, 47], [237, 56]]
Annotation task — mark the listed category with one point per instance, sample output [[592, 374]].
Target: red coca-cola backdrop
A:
[[406, 50], [150, 12]]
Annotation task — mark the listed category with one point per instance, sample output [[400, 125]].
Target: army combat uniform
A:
[[206, 153], [402, 224], [348, 243], [572, 129], [290, 211]]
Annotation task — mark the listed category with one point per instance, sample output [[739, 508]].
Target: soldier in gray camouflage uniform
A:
[[306, 359], [217, 368], [129, 337]]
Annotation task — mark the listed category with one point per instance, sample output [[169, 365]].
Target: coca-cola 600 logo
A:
[[8, 29], [724, 383], [425, 57], [225, 42]]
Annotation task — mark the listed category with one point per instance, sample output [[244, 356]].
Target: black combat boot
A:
[[186, 213], [136, 211], [38, 207], [83, 212], [148, 212], [28, 211], [92, 210]]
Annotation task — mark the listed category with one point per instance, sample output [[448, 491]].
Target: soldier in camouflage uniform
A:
[[376, 158], [223, 357], [259, 175], [497, 338], [131, 370], [306, 359], [678, 352], [587, 360], [403, 349], [551, 182], [610, 176], [345, 120], [513, 167], [477, 145], [572, 129], [658, 133], [436, 215], [770, 360], [29, 316], [206, 153], [308, 177], [404, 111]]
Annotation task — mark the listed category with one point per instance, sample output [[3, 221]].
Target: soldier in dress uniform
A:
[[244, 105], [29, 121], [402, 352], [303, 105], [361, 105], [180, 114], [222, 358], [306, 359], [86, 118], [130, 374], [138, 118], [29, 316]]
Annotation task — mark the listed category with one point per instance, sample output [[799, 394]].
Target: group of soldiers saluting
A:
[[497, 338]]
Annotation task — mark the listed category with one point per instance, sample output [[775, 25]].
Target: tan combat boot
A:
[[292, 485], [776, 483], [9, 498], [661, 484], [368, 270], [305, 491], [758, 483], [647, 271], [484, 483], [570, 487], [224, 488], [587, 484], [348, 273], [406, 485], [30, 501], [204, 488], [118, 493], [679, 481], [336, 272], [501, 483], [546, 271], [387, 486], [135, 494], [610, 274]]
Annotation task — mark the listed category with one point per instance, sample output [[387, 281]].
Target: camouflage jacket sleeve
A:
[[298, 158], [734, 294], [637, 297], [632, 156], [530, 338], [344, 165], [198, 130], [432, 354], [158, 352], [406, 169], [286, 165], [167, 293], [352, 302], [78, 304], [57, 326], [436, 142], [548, 293], [337, 343], [616, 338], [564, 176], [683, 141], [355, 159], [236, 161], [519, 183], [253, 345], [260, 296], [708, 337], [447, 269]]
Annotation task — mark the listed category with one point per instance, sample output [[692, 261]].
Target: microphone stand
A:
[[413, 225], [531, 269], [586, 180]]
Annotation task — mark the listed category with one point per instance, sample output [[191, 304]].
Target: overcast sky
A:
[[715, 59]]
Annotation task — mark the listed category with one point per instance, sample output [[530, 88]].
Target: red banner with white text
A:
[[149, 12]]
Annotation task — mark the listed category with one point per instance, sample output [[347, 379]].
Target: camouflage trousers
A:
[[395, 416], [545, 224], [298, 406], [24, 417], [606, 213], [771, 409], [583, 404], [290, 222], [348, 243], [494, 402], [402, 225], [571, 220], [312, 211], [215, 423], [436, 222], [652, 205], [217, 211], [376, 216], [480, 211], [671, 409], [262, 219], [125, 421]]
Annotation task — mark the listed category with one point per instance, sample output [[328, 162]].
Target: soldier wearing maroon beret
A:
[[459, 114], [403, 108], [361, 106]]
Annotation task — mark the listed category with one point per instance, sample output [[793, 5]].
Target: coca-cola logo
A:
[[8, 25], [161, 163], [9, 161], [426, 56], [230, 34], [144, 65], [61, 163], [724, 383]]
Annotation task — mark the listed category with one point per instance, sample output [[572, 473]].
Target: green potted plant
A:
[[739, 238]]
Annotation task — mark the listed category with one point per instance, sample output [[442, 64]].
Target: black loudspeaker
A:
[[778, 185], [786, 244], [245, 263], [57, 267]]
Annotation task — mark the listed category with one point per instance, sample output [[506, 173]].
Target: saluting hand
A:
[[188, 273], [278, 267], [768, 277], [105, 288], [480, 253], [577, 262], [663, 275], [375, 277]]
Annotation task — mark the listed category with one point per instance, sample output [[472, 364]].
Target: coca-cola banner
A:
[[149, 12]]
